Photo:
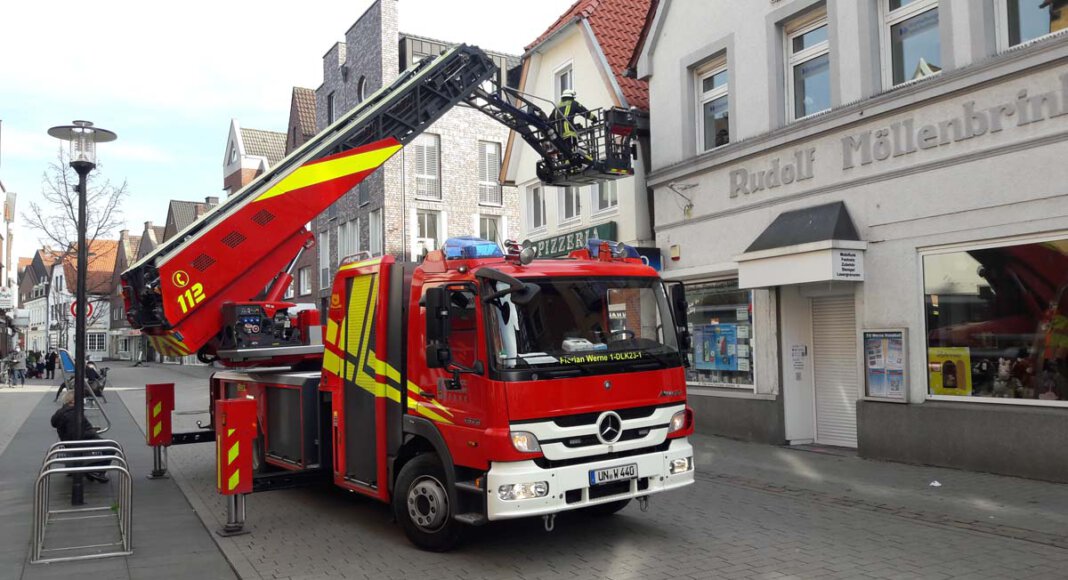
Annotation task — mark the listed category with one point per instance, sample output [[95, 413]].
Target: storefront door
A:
[[834, 361]]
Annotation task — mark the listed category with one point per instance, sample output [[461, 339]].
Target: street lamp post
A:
[[83, 137]]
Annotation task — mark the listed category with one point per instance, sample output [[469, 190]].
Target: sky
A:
[[168, 78]]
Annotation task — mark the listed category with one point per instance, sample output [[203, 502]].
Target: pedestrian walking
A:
[[50, 364], [20, 369]]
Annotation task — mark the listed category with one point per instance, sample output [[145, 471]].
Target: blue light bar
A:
[[470, 247], [594, 247]]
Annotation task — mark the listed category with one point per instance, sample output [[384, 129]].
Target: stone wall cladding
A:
[[371, 49]]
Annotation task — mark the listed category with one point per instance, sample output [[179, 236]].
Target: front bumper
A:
[[569, 487]]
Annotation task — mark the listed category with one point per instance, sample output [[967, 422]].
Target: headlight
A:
[[525, 442], [679, 421], [681, 465], [515, 491]]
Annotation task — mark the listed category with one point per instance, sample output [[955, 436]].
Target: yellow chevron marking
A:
[[230, 433], [331, 362], [232, 454], [441, 407], [355, 265], [156, 410], [317, 173], [331, 332], [156, 429], [234, 480]]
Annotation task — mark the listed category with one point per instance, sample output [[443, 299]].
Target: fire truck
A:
[[477, 384]]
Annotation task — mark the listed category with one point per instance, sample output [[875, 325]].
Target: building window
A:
[[489, 228], [489, 171], [713, 110], [361, 89], [570, 203], [290, 292], [348, 238], [912, 45], [565, 80], [363, 192], [376, 239], [233, 153], [997, 323], [605, 196], [808, 66], [428, 223], [304, 277], [95, 341], [536, 207], [330, 109], [427, 166], [325, 273], [720, 320], [1025, 20]]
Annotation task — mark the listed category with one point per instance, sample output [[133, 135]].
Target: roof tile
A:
[[269, 144]]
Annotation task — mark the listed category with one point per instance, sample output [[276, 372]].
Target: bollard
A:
[[235, 429], [159, 403]]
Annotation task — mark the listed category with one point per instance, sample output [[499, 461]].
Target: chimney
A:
[[212, 201], [148, 225], [123, 234]]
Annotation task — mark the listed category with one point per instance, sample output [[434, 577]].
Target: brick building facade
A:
[[443, 184]]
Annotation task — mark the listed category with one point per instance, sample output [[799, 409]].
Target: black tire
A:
[[421, 505], [606, 509]]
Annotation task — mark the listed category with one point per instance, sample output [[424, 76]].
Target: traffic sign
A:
[[7, 298], [74, 309]]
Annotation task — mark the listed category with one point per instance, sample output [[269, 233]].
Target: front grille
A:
[[573, 495], [590, 440], [554, 463], [591, 418]]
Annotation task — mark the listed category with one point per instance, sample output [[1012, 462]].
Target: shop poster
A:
[[949, 370], [717, 347], [884, 357]]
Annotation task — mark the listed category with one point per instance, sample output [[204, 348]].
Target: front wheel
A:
[[421, 505]]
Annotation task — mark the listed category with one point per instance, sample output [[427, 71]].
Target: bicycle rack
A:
[[43, 514]]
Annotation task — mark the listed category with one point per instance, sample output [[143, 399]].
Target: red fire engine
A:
[[476, 385]]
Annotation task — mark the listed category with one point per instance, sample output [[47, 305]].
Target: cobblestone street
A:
[[755, 512]]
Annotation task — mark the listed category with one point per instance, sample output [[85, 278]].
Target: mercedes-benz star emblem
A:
[[609, 428]]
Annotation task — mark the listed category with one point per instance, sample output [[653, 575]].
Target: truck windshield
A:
[[584, 324]]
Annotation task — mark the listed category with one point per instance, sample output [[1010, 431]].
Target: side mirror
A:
[[680, 309], [437, 328]]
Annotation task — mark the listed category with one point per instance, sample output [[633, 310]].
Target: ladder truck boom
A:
[[178, 295]]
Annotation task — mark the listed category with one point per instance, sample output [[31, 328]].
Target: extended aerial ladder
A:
[[182, 295]]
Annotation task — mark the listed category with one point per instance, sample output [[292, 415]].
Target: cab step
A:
[[471, 519]]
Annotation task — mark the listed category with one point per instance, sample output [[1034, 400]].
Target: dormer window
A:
[[233, 153]]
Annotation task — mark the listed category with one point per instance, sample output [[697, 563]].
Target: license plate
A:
[[610, 474]]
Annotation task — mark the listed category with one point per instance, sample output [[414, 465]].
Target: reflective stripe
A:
[[235, 479], [323, 171], [232, 454], [156, 429], [157, 410]]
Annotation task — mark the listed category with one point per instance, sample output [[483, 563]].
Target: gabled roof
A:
[[617, 25], [304, 103], [24, 262], [182, 214], [269, 144], [100, 267], [129, 248]]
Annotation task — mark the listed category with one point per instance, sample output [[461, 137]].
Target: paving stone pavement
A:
[[755, 512]]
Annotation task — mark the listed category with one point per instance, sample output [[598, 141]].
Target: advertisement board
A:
[[949, 370], [716, 347], [885, 364]]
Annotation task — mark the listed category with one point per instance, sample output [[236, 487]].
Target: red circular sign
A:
[[74, 309]]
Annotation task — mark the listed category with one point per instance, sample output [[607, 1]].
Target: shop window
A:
[[912, 44], [720, 319], [997, 323], [808, 66], [1022, 21], [713, 106]]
